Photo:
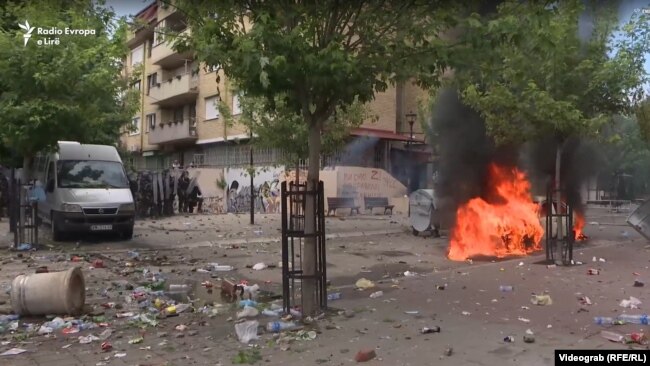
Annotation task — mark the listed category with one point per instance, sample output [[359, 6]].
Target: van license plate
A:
[[101, 227]]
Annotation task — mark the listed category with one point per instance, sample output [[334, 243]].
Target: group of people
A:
[[156, 192]]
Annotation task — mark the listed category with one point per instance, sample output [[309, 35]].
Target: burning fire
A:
[[507, 224], [578, 226]]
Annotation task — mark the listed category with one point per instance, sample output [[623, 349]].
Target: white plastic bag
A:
[[247, 331], [248, 312], [632, 303]]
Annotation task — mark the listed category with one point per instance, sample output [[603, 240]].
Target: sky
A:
[[128, 7]]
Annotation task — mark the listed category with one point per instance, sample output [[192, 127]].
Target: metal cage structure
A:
[[294, 199], [24, 213], [559, 249]]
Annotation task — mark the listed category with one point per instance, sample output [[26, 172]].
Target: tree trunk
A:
[[309, 289], [560, 221]]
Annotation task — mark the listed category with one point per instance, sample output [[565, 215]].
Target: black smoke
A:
[[579, 162], [465, 152]]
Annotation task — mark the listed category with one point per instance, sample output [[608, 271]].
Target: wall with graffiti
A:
[[367, 182], [266, 188]]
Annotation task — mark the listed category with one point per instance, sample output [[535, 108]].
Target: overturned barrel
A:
[[49, 293]]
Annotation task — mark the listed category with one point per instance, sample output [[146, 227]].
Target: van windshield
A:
[[91, 174]]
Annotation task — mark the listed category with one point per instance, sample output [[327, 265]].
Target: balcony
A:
[[164, 55], [181, 89], [174, 132], [165, 9]]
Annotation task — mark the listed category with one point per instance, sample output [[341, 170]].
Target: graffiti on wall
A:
[[266, 189], [367, 182]]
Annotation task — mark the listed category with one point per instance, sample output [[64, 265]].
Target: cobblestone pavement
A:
[[460, 297]]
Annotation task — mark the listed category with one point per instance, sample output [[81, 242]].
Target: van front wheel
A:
[[57, 235], [127, 234]]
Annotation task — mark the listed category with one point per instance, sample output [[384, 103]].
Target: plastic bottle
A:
[[295, 313], [504, 288], [221, 268], [279, 326], [245, 303], [601, 320], [427, 330], [334, 296], [634, 319], [178, 288], [271, 313], [612, 336], [177, 309], [8, 318]]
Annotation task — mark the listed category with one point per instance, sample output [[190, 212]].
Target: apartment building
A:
[[179, 119]]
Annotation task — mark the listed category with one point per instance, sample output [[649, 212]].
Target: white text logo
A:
[[49, 36], [28, 31]]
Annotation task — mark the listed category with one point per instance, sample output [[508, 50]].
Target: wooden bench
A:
[[381, 202], [334, 203]]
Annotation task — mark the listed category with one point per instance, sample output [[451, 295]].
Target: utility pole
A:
[[252, 174], [410, 118]]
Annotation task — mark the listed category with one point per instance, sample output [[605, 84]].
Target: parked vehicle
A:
[[86, 190]]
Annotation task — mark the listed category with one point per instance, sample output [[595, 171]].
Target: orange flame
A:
[[578, 226], [507, 225]]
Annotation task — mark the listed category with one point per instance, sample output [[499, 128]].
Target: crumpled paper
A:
[[632, 303]]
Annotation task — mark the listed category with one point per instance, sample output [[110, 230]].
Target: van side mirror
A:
[[50, 186]]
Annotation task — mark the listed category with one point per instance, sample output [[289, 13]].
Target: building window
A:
[[211, 108], [151, 122], [137, 55], [135, 124], [152, 81], [136, 85], [236, 106], [149, 47]]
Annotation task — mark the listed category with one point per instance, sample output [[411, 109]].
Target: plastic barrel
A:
[[49, 293]]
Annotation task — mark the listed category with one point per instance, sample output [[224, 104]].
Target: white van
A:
[[86, 190]]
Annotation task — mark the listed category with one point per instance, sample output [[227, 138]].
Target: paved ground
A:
[[473, 314]]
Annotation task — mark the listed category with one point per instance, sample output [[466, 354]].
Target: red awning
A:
[[149, 13], [382, 134]]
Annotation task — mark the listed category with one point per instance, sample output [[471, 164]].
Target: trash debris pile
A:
[[145, 298]]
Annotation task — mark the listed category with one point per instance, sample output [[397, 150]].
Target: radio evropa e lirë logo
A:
[[50, 34]]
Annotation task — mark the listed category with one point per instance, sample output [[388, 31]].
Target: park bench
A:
[[334, 203], [378, 202]]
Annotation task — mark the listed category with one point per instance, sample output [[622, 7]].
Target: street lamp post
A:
[[252, 173], [410, 118]]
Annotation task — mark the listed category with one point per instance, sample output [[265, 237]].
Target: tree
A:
[[549, 69], [626, 152], [318, 57], [281, 127], [70, 91]]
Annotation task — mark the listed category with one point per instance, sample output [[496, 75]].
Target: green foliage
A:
[[222, 183], [283, 128], [247, 357], [302, 63], [70, 91], [643, 119], [530, 71], [626, 152]]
